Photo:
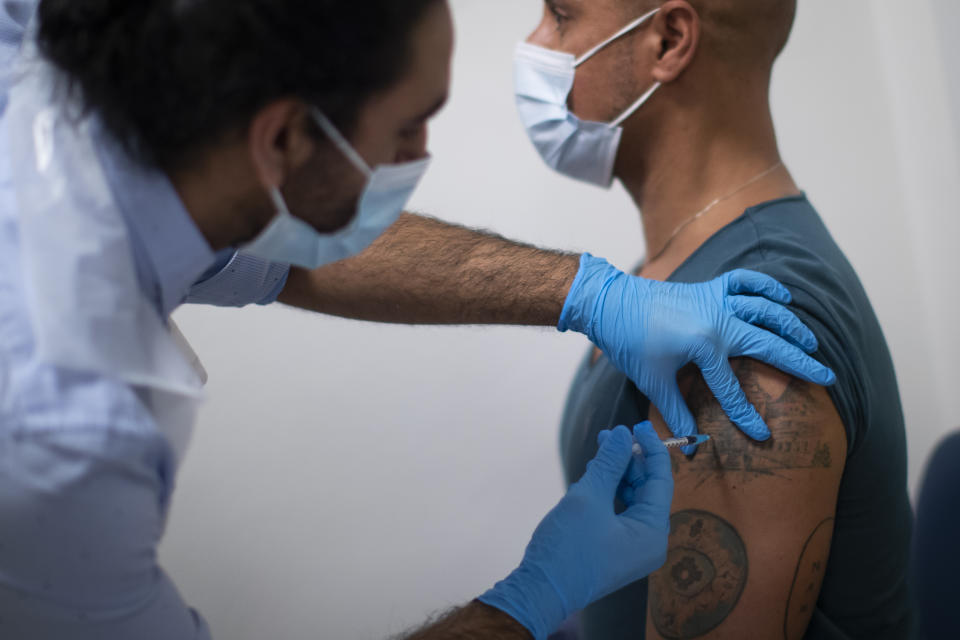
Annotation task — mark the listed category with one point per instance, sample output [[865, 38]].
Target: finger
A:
[[636, 473], [782, 321], [672, 406], [654, 453], [623, 489], [607, 468], [766, 347], [602, 436], [653, 493], [640, 451], [723, 383], [754, 283]]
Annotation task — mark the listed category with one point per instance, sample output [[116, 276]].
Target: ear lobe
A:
[[279, 142], [678, 25]]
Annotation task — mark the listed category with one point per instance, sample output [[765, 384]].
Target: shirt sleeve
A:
[[238, 279], [81, 514], [15, 15]]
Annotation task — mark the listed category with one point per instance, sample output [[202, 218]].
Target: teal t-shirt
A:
[[864, 592]]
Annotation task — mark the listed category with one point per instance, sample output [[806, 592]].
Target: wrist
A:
[[586, 294], [529, 597], [506, 626]]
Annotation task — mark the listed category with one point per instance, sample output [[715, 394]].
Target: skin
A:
[[424, 271], [421, 270], [226, 194], [776, 500], [473, 621], [752, 522], [694, 139]]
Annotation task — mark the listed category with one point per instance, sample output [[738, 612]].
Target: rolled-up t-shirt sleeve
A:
[[238, 279], [81, 514]]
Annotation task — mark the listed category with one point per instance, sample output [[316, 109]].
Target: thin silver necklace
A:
[[699, 214]]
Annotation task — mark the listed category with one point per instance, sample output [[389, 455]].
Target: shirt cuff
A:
[[243, 280]]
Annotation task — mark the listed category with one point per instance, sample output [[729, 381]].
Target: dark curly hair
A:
[[171, 77]]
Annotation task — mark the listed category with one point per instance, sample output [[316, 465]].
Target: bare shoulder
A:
[[752, 522], [807, 432]]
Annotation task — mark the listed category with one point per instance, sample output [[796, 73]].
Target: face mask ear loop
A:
[[341, 143], [636, 105], [619, 34], [278, 202]]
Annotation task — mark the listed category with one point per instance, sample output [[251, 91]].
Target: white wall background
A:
[[347, 479]]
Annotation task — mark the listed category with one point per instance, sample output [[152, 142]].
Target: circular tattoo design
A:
[[691, 573], [703, 578]]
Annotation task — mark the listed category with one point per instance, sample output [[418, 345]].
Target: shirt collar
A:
[[169, 251]]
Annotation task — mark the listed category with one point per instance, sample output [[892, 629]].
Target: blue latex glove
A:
[[582, 550], [651, 329]]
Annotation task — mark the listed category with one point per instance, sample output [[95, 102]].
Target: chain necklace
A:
[[699, 214]]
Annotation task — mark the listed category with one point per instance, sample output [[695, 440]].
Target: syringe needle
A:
[[671, 443]]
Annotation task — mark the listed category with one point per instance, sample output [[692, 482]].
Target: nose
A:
[[545, 35]]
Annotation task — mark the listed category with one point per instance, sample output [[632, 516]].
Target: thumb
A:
[[653, 492], [608, 467]]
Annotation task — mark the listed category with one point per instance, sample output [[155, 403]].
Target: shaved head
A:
[[740, 32], [707, 65], [747, 29]]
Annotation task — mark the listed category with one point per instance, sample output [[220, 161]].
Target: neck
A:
[[225, 212], [687, 168]]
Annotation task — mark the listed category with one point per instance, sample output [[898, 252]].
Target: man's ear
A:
[[678, 26], [279, 140]]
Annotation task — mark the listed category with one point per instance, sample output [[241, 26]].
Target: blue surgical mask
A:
[[387, 191], [576, 148]]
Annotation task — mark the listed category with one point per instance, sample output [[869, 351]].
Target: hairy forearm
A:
[[424, 271], [475, 621]]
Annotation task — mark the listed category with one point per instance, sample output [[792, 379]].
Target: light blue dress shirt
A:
[[85, 474]]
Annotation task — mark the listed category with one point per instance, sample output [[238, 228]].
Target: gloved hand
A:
[[651, 329], [582, 550]]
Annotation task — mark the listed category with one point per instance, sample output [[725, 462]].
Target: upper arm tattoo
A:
[[706, 573], [793, 446], [807, 579], [703, 578]]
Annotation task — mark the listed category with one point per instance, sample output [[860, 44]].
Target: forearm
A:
[[473, 621], [424, 271]]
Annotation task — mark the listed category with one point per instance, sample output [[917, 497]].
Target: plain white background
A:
[[348, 479]]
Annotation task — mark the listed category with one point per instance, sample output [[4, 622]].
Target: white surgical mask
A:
[[388, 189], [576, 148]]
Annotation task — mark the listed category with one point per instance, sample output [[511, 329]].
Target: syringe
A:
[[672, 443]]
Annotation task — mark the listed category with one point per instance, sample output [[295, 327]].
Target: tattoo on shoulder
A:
[[807, 579], [703, 578], [787, 406]]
